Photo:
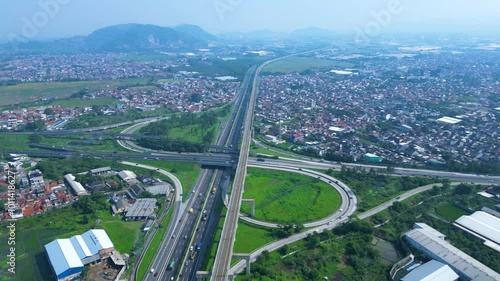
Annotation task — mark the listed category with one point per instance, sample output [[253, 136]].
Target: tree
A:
[[36, 125], [85, 219], [463, 189], [35, 138], [196, 97], [48, 111]]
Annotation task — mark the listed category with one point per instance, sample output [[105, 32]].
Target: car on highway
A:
[[191, 248], [152, 270]]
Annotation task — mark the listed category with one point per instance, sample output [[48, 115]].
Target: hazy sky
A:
[[65, 18]]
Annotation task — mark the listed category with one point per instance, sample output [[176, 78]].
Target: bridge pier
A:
[[246, 257], [251, 202]]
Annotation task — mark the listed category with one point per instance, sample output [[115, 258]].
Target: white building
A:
[[482, 225], [76, 186], [127, 175], [68, 256], [431, 242], [432, 271]]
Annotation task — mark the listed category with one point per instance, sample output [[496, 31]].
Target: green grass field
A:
[[285, 197], [450, 211], [300, 64], [250, 237], [68, 103], [31, 92], [190, 133]]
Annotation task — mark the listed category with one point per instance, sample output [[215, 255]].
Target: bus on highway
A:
[[171, 265]]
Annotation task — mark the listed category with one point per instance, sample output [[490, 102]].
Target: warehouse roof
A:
[[481, 224], [76, 186], [96, 240], [432, 271], [455, 258], [141, 208], [101, 170], [449, 120], [62, 255], [69, 253], [127, 175]]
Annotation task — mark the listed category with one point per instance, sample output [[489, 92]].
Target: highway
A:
[[225, 248], [484, 179], [220, 269], [175, 241], [196, 221]]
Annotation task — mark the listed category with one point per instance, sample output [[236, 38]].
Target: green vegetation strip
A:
[[31, 92], [373, 188], [285, 197], [154, 246], [300, 64], [209, 258]]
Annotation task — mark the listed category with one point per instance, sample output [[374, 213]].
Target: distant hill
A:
[[124, 38], [195, 31]]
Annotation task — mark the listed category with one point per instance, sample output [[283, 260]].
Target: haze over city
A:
[[68, 18]]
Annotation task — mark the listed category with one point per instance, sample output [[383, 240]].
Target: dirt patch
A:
[[102, 271]]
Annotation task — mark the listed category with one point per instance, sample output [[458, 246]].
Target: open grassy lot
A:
[[30, 92], [287, 198], [251, 237], [300, 64], [450, 211], [67, 103], [191, 133]]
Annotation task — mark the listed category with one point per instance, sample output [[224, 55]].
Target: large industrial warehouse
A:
[[431, 242], [482, 225], [68, 256]]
